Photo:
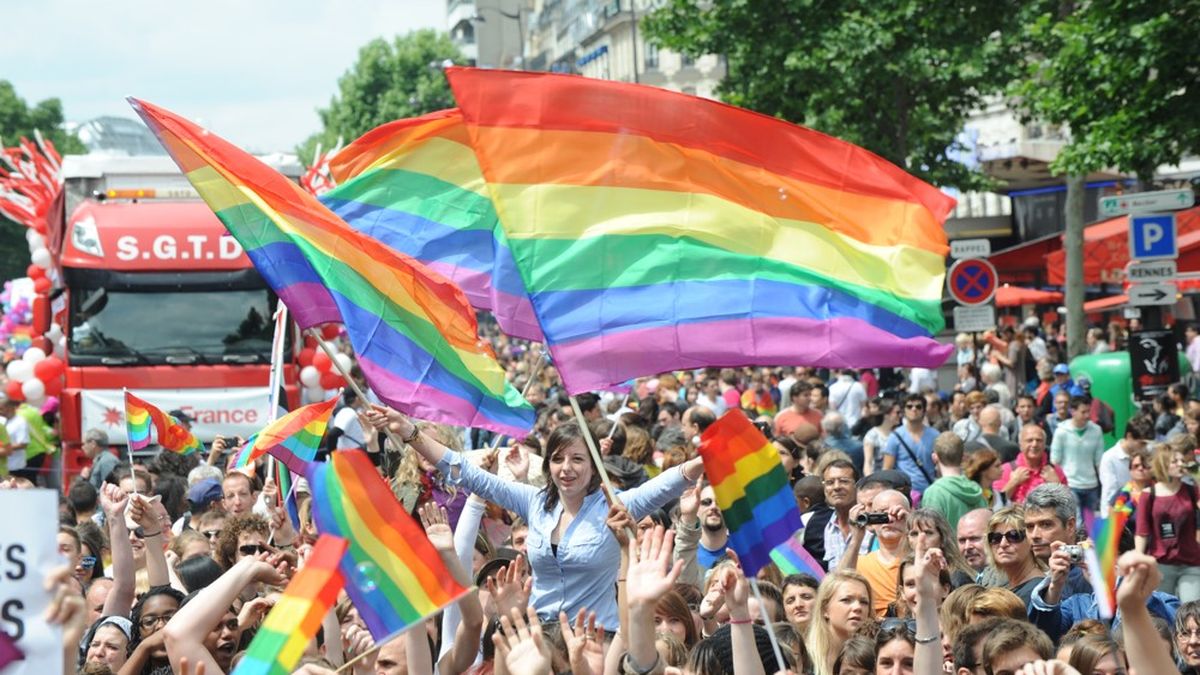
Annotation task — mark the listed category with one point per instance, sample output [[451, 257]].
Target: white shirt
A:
[[718, 406], [848, 396], [1114, 474], [352, 436], [18, 434]]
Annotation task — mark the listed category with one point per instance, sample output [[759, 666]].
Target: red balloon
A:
[[331, 380], [41, 285], [305, 356], [321, 361], [34, 272], [330, 331], [49, 368], [54, 387], [13, 391], [39, 227]]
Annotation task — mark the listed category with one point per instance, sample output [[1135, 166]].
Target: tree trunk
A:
[[1073, 246]]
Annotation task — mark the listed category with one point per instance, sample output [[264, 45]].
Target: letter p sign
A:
[[1152, 237]]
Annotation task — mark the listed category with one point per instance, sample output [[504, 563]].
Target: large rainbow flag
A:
[[414, 185], [658, 231], [286, 632], [171, 435], [412, 329], [751, 488], [394, 576], [292, 439]]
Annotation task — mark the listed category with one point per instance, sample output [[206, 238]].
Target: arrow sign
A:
[[1152, 294], [1140, 202]]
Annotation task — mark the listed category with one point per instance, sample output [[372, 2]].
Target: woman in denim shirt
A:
[[573, 556]]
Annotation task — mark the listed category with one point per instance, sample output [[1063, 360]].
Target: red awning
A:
[[1015, 296], [1106, 249], [1025, 263], [1105, 304]]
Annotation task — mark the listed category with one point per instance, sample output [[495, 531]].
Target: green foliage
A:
[[897, 77], [390, 81], [1122, 75], [17, 119]]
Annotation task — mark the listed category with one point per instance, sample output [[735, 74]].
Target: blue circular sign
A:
[[972, 281]]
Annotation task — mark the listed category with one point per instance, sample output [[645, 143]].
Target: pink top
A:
[[1033, 481]]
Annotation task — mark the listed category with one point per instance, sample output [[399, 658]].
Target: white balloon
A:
[[54, 332], [33, 355], [60, 347], [314, 394], [33, 390], [344, 361], [35, 240], [19, 370], [41, 257], [310, 377]]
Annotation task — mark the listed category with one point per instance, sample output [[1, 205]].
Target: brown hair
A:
[[1089, 650], [672, 605], [564, 435], [1012, 634], [227, 543], [976, 463], [955, 611], [638, 446], [999, 602]]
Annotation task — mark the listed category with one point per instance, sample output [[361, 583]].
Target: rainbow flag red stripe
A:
[[293, 622], [751, 488], [394, 575], [657, 231], [414, 184], [171, 435], [413, 332], [292, 439]]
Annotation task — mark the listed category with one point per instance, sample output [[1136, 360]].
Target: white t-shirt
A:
[[849, 397], [18, 434], [352, 436]]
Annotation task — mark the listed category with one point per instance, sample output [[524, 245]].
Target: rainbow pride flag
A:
[[394, 576], [657, 231], [293, 622], [412, 329], [292, 439], [414, 185], [172, 436], [1106, 548], [287, 495], [792, 558], [751, 488]]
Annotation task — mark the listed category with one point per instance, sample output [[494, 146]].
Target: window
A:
[[686, 61], [651, 57]]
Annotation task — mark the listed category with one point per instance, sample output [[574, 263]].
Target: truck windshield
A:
[[136, 327]]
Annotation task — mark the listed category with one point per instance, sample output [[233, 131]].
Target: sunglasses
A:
[[252, 549], [706, 502], [914, 406], [87, 562], [211, 534], [1013, 537], [896, 624]]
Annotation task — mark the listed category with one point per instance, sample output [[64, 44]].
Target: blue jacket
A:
[[1055, 620]]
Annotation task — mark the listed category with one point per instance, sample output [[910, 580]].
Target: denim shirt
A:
[[584, 573]]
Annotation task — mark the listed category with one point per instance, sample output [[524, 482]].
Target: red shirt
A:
[[1170, 526], [789, 420], [1035, 478]]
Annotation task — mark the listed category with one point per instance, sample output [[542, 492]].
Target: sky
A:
[[253, 71]]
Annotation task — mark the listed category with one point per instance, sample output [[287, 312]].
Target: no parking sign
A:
[[972, 281]]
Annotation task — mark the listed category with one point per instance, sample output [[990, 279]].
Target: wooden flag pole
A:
[[391, 435], [762, 608]]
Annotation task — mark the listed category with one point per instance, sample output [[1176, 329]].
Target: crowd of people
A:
[[950, 525]]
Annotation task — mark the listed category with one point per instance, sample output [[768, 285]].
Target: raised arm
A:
[[144, 513], [648, 579], [1142, 644], [645, 498], [927, 656], [465, 644], [120, 598]]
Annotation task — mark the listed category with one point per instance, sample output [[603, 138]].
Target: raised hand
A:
[[585, 643], [437, 526], [142, 512], [928, 568], [253, 612], [516, 459], [114, 501], [1140, 578], [356, 641], [689, 503], [510, 587], [736, 589], [620, 523], [521, 645], [651, 574]]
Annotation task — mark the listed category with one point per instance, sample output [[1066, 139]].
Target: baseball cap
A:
[[1062, 369], [1084, 382], [204, 493], [182, 416], [503, 558]]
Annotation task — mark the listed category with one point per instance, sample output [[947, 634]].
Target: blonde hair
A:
[[637, 445], [999, 602], [409, 471], [823, 645], [1160, 460]]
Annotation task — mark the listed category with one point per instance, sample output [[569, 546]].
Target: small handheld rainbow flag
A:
[[394, 576], [792, 558], [293, 622], [172, 435], [1102, 560], [292, 439], [751, 488]]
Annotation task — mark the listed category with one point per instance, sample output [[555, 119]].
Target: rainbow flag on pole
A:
[[414, 184], [412, 329], [792, 558], [751, 488], [293, 622], [1102, 556], [658, 231], [394, 576], [292, 439], [171, 435]]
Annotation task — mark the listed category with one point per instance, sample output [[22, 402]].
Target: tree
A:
[[390, 81], [17, 119], [898, 77], [1123, 78]]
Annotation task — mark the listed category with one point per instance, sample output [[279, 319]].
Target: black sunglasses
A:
[[1013, 537], [252, 549], [896, 624], [914, 406]]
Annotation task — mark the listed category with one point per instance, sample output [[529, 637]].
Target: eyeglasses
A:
[[896, 624], [211, 534], [87, 562], [150, 620], [1013, 537], [252, 549], [1192, 634], [834, 482], [913, 406]]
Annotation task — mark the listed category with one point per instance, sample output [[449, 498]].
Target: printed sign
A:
[[237, 411], [28, 552], [972, 319], [1154, 361]]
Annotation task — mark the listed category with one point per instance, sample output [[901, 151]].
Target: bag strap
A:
[[913, 457]]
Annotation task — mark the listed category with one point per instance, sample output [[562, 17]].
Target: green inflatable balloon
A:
[[1112, 382]]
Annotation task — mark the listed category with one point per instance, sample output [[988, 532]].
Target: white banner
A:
[[28, 552], [239, 411]]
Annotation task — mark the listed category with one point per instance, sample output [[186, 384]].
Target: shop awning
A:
[[1015, 296], [1106, 250], [1105, 304], [1025, 263]]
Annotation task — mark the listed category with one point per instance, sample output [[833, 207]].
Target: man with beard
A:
[[700, 534]]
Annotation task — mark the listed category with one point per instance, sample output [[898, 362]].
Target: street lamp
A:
[[479, 18]]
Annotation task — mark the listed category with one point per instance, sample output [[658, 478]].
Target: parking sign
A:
[[1152, 237]]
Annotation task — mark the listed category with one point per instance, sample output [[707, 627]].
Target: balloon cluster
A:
[[318, 372], [34, 376]]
